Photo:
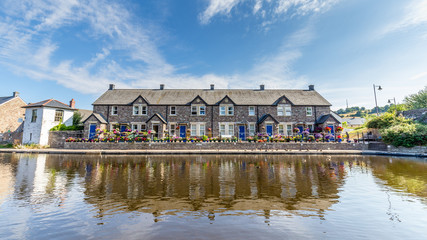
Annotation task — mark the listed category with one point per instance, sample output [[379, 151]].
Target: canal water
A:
[[212, 197]]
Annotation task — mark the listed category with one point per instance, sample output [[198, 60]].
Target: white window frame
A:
[[309, 111], [134, 127], [194, 110], [193, 129], [174, 110], [226, 129], [288, 110], [226, 110], [141, 109], [202, 129], [202, 110], [59, 114], [281, 129], [252, 129], [251, 112], [172, 129], [289, 130], [114, 110], [34, 115], [144, 110], [198, 129], [280, 110], [136, 110]]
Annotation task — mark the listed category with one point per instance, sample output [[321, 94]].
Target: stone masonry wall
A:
[[213, 146], [10, 112], [57, 138]]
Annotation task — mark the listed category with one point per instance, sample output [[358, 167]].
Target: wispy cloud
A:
[[27, 46], [271, 9], [415, 14]]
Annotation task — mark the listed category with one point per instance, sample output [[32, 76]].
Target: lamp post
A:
[[375, 95], [395, 106]]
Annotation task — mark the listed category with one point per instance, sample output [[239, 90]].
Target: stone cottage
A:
[[40, 117], [212, 112], [11, 117]]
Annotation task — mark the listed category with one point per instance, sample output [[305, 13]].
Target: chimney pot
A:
[[15, 94], [311, 87], [212, 87], [162, 86], [261, 87], [72, 103], [112, 87]]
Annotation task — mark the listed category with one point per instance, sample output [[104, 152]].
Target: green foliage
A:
[[398, 108], [77, 118], [386, 120], [62, 127], [344, 124], [417, 100], [9, 145], [406, 134]]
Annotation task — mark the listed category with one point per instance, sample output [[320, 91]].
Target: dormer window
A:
[[114, 110], [309, 111], [194, 110], [288, 110], [226, 110], [252, 111], [202, 110], [280, 110], [198, 110], [173, 110], [139, 109]]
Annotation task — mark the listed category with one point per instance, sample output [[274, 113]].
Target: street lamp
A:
[[375, 95], [395, 106]]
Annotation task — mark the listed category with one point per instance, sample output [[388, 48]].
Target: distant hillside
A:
[[361, 111]]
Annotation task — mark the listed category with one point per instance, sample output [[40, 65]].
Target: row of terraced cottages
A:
[[212, 112]]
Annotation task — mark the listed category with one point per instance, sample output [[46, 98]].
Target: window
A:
[[280, 108], [193, 110], [59, 114], [143, 127], [281, 129], [288, 110], [144, 110], [251, 129], [201, 129], [135, 110], [114, 110], [231, 129], [193, 129], [230, 110], [173, 110], [222, 129], [222, 110], [251, 111], [289, 130], [172, 128], [226, 110], [134, 127], [311, 127], [202, 110], [34, 115], [309, 111]]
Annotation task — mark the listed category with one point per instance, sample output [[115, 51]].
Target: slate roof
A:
[[157, 115], [354, 121], [264, 117], [85, 114], [211, 97], [325, 117], [5, 99], [49, 103]]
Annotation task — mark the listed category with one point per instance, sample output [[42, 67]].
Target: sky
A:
[[65, 49]]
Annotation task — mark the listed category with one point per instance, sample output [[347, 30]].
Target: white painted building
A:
[[42, 116]]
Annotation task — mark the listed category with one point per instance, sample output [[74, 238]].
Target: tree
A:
[[417, 100], [77, 117]]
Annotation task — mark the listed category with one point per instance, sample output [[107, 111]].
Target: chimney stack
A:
[[72, 103], [261, 87], [162, 86], [212, 87], [112, 87], [15, 94], [310, 87]]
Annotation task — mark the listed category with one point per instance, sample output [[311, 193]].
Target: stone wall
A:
[[416, 149], [213, 146], [57, 139]]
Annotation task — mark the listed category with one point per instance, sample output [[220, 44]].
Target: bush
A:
[[406, 135], [62, 127], [386, 120]]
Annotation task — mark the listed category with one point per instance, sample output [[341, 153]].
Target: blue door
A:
[[332, 128], [242, 134], [301, 129], [122, 128], [270, 130], [182, 130], [92, 131]]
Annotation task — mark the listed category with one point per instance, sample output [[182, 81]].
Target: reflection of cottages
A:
[[6, 181]]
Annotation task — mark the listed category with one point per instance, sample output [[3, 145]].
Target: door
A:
[[156, 130], [270, 130], [301, 129], [332, 128], [242, 134], [122, 128], [92, 130], [182, 131]]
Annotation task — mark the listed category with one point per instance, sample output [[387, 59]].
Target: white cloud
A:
[[415, 15], [27, 46], [277, 8]]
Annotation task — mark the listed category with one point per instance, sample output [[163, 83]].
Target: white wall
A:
[[45, 121]]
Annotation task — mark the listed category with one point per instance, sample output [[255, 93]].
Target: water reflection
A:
[[302, 185]]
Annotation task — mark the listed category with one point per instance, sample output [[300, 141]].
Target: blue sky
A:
[[75, 48]]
